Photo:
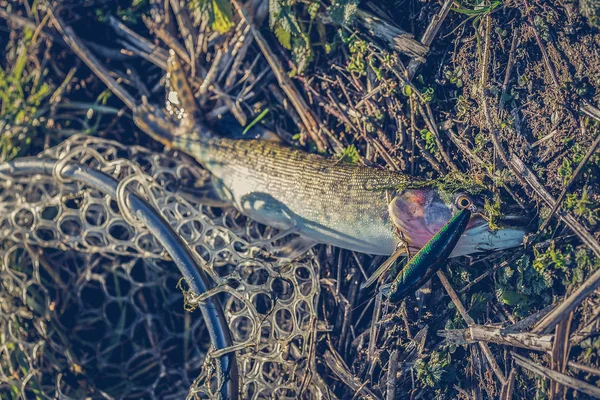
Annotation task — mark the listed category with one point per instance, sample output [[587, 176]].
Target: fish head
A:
[[419, 214]]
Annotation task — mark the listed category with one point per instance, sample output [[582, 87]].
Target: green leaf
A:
[[219, 13], [256, 120], [512, 298], [343, 12], [350, 155], [290, 32], [284, 37], [19, 65], [302, 51], [222, 16]]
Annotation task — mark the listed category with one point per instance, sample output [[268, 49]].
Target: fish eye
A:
[[463, 202]]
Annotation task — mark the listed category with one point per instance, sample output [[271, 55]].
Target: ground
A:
[[501, 80]]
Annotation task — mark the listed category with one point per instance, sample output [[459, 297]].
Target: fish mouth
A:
[[479, 237]]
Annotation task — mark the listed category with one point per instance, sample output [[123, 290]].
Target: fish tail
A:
[[183, 122], [179, 88]]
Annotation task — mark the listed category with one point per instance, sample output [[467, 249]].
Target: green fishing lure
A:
[[429, 259]]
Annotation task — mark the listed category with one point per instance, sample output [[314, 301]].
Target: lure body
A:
[[429, 259]]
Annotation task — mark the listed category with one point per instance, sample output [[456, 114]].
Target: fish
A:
[[429, 259], [321, 199]]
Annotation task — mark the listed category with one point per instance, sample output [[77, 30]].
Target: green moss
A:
[[551, 258], [475, 8], [435, 370], [566, 170], [358, 51], [449, 184], [428, 94], [585, 263], [492, 211], [565, 265], [429, 140]]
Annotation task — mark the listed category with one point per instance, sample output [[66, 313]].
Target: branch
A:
[[483, 333], [284, 80], [341, 371], [563, 379], [463, 312]]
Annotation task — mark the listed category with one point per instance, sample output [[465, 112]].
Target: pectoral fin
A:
[[205, 194], [400, 250], [294, 249]]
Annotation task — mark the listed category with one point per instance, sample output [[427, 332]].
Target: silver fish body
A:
[[358, 208], [341, 204]]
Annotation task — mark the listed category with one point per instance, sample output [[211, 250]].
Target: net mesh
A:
[[89, 300]]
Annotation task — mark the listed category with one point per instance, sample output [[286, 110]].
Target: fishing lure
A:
[[429, 259]]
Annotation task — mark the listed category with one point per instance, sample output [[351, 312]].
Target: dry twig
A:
[[563, 379], [91, 61], [285, 82], [463, 312], [476, 333], [430, 33], [560, 354], [507, 389], [395, 37], [538, 39], [392, 379], [335, 363]]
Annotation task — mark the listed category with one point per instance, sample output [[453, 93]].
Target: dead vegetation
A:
[[504, 92]]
